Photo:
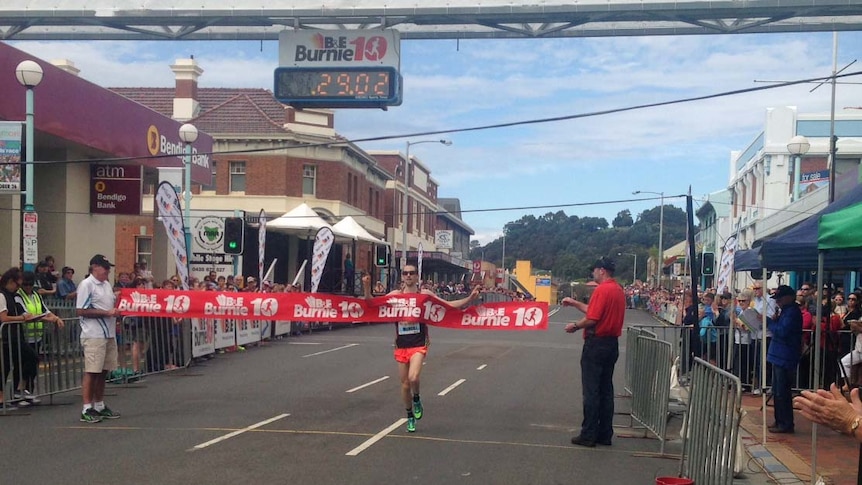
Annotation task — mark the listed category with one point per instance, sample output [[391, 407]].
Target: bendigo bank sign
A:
[[115, 189]]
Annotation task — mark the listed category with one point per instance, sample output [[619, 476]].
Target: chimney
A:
[[186, 105], [66, 65]]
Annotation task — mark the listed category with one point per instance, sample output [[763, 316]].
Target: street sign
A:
[[30, 238]]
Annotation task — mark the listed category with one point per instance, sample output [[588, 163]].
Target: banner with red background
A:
[[322, 307]]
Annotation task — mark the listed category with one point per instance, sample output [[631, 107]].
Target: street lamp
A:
[[635, 269], [798, 146], [29, 74], [660, 233], [407, 192], [188, 134]]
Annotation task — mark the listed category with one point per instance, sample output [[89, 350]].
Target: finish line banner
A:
[[320, 307]]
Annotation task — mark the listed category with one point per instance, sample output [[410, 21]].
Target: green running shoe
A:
[[91, 416], [411, 425], [107, 413], [417, 409]]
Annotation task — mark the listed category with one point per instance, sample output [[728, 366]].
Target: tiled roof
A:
[[222, 110]]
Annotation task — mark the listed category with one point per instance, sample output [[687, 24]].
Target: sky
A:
[[587, 166]]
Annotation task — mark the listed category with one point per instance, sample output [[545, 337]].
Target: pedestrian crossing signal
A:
[[234, 234], [381, 256], [708, 264]]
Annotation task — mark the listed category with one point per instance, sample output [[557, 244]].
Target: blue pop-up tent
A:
[[796, 249]]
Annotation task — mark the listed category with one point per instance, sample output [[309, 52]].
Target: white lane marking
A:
[[331, 350], [453, 386], [553, 312], [481, 366], [363, 386], [305, 343], [374, 439], [239, 432]]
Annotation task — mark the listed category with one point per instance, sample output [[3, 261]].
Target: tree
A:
[[623, 219]]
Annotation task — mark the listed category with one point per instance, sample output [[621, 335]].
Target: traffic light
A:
[[707, 267], [381, 256], [234, 234]]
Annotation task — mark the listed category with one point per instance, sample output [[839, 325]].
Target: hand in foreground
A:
[[366, 281], [830, 407], [572, 327]]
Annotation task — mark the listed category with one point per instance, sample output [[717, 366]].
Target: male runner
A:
[[412, 341]]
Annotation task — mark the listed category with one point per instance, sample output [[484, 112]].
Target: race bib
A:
[[405, 328]]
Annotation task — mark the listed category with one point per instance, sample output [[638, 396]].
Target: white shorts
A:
[[100, 354]]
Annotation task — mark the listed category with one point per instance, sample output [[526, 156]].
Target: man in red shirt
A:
[[602, 325]]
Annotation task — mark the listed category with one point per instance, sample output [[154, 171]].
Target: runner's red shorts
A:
[[403, 355]]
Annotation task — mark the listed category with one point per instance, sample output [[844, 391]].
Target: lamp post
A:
[[798, 146], [660, 265], [29, 74], [635, 269], [407, 192], [188, 134]]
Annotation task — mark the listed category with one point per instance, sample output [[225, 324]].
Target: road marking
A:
[[305, 343], [363, 386], [453, 386], [374, 439], [553, 312], [330, 350], [238, 432], [481, 366]]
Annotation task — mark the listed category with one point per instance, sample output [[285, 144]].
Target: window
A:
[[144, 250], [309, 177], [212, 184], [237, 177]]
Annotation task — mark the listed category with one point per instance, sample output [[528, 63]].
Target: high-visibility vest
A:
[[33, 331]]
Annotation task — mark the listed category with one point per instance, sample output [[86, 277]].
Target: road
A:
[[324, 408]]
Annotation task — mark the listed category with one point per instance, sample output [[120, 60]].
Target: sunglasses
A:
[[409, 273], [852, 298], [805, 289]]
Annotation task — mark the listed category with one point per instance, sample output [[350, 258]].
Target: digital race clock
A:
[[338, 87]]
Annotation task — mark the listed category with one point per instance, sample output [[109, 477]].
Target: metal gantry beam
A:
[[460, 19]]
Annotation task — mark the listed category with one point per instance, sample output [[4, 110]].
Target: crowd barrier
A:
[[59, 367], [710, 437], [649, 383]]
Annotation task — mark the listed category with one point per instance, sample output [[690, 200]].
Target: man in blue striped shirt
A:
[[98, 312]]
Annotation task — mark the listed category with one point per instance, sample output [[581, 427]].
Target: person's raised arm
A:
[[366, 286], [463, 301]]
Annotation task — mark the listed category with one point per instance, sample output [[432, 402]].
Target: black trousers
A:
[[597, 378]]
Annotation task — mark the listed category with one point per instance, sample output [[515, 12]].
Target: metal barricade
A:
[[149, 345], [711, 432], [632, 334], [59, 364], [651, 384]]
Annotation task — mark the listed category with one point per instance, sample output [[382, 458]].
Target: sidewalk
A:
[[787, 457]]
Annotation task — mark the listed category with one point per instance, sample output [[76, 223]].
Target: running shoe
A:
[[417, 409], [91, 416], [411, 424], [108, 414], [29, 397]]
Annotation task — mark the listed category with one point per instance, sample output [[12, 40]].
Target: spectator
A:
[[743, 360], [145, 274], [349, 275], [133, 336], [251, 285], [852, 322], [53, 274], [124, 280], [783, 354], [66, 287], [44, 284], [14, 314], [379, 288], [34, 331]]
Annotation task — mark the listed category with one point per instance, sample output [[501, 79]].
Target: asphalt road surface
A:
[[324, 408]]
